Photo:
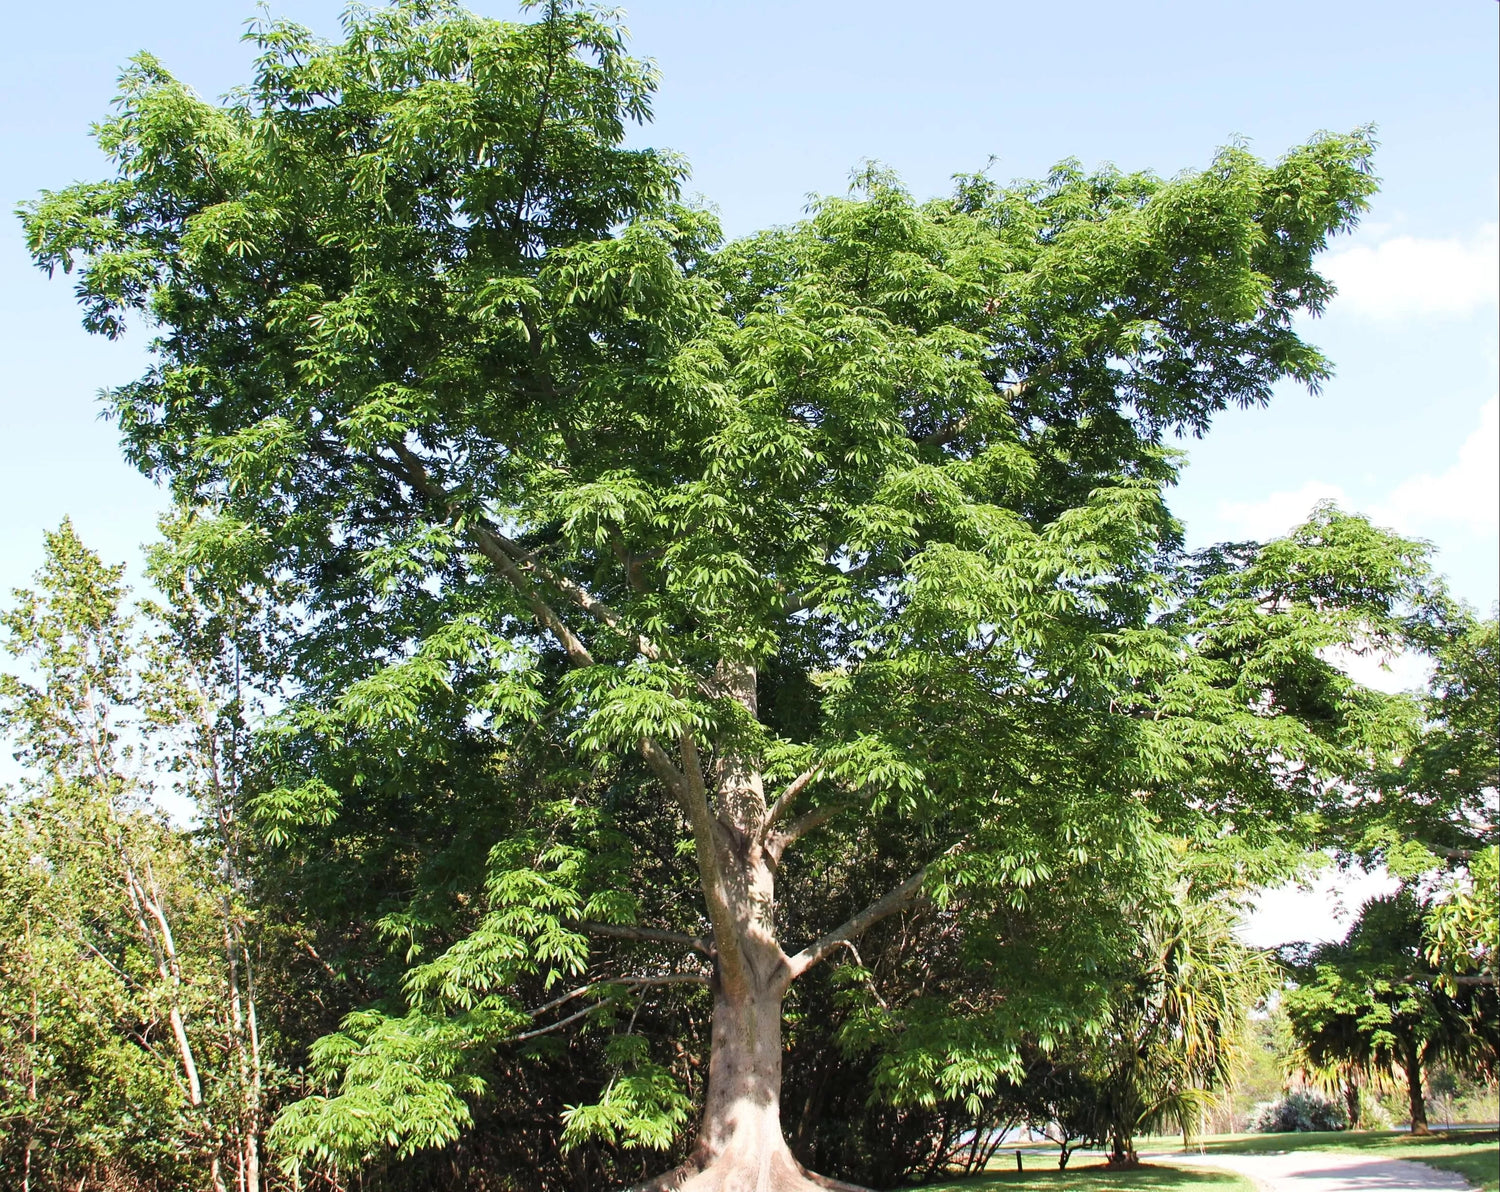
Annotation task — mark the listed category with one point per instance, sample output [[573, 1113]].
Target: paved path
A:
[[1328, 1171]]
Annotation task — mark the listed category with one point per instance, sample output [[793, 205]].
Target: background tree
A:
[[1372, 1003], [1175, 1032], [205, 670], [850, 536], [102, 888]]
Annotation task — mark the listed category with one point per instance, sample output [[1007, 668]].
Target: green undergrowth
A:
[[1095, 1178]]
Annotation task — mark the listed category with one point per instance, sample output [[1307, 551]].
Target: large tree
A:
[[844, 542]]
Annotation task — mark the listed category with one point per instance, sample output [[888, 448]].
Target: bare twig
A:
[[625, 931]]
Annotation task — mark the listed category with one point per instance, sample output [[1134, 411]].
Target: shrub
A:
[[1298, 1110]]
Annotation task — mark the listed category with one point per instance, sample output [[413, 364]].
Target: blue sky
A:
[[773, 101]]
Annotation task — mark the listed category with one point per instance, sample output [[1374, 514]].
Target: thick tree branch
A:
[[574, 593], [522, 568], [686, 785], [945, 435], [1451, 854], [490, 545], [547, 617], [779, 842], [706, 846], [622, 931], [895, 900], [793, 789]]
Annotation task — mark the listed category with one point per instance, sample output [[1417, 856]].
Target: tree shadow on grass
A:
[[1096, 1178], [1398, 1142]]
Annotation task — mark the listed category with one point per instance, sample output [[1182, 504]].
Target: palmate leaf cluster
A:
[[542, 468]]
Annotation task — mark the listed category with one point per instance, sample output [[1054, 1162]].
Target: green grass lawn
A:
[[1474, 1154], [1085, 1176]]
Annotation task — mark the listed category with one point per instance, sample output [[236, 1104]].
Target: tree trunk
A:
[[740, 1145], [1122, 1151], [1414, 1099]]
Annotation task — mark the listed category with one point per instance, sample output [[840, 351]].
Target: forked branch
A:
[[786, 798], [778, 842]]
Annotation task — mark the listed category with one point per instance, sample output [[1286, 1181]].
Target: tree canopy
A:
[[782, 589]]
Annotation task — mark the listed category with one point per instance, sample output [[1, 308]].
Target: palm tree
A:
[[1372, 1002], [1177, 1028]]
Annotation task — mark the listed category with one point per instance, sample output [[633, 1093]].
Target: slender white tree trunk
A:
[[148, 908], [247, 1050]]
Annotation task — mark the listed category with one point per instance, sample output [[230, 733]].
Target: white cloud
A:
[[1322, 914], [1405, 276], [1274, 515], [1464, 497], [1467, 493]]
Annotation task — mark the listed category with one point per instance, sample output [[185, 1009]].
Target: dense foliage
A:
[[632, 602]]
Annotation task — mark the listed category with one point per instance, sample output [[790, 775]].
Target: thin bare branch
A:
[[563, 1000], [559, 1024], [625, 931], [869, 979], [580, 991], [808, 597], [664, 979]]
